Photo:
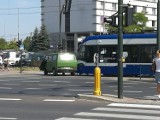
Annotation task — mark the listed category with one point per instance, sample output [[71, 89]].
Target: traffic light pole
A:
[[120, 49], [21, 62]]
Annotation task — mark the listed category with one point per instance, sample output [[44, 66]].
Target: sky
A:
[[19, 16]]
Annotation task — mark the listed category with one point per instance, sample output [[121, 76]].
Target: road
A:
[[39, 97]]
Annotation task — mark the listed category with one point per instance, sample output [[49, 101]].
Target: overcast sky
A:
[[28, 18]]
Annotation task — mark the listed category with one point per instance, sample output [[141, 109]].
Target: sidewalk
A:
[[113, 98]]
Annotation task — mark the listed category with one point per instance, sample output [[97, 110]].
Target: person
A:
[[7, 64], [156, 61]]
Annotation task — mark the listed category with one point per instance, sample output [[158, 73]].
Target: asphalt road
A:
[[39, 97]]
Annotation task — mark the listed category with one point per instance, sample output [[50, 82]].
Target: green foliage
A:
[[3, 44], [12, 45], [40, 40], [26, 43]]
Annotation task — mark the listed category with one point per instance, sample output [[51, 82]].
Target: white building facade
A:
[[86, 17]]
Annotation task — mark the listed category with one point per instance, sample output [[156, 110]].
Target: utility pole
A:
[[120, 49], [20, 45], [158, 25], [60, 22]]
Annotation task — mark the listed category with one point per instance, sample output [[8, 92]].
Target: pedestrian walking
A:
[[156, 68], [7, 64]]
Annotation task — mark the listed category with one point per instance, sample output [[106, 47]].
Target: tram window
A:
[[132, 53], [146, 54], [107, 54], [89, 53], [81, 53]]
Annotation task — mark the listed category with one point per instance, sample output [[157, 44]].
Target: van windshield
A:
[[66, 57]]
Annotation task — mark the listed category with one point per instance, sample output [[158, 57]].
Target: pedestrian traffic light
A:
[[111, 20]]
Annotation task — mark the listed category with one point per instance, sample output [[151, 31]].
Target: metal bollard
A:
[[97, 81]]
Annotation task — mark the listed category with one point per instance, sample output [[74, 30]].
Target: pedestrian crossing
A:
[[119, 111]]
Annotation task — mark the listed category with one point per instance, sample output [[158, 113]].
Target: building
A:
[[86, 18]]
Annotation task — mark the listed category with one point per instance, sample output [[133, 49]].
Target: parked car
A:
[[59, 63], [26, 60], [1, 61]]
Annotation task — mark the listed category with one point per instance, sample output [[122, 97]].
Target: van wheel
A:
[[73, 73], [54, 72], [45, 72], [63, 73]]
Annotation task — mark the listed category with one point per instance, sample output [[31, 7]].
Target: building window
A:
[[153, 23], [134, 9], [102, 4], [154, 11], [144, 9], [113, 6]]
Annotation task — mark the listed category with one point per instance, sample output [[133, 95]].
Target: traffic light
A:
[[67, 6], [19, 42], [111, 20], [128, 16]]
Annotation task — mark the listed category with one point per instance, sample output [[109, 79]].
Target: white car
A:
[[1, 61]]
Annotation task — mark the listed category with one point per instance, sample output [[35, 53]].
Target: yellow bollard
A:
[[97, 81]]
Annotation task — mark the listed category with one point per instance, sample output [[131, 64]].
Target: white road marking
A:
[[5, 88], [11, 99], [112, 86], [11, 84], [3, 80], [5, 118], [134, 105], [33, 88], [47, 85], [61, 81], [89, 82], [124, 116], [56, 100], [67, 118], [74, 85], [127, 110], [30, 81]]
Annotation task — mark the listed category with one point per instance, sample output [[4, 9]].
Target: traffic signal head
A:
[[67, 6], [111, 20], [19, 42], [128, 16]]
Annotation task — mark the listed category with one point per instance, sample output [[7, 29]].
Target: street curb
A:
[[113, 98]]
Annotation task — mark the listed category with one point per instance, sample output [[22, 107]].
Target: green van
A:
[[59, 63]]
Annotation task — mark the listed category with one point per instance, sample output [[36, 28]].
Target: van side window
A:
[[49, 57], [54, 57]]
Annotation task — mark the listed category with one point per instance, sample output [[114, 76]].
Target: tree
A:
[[12, 45], [34, 40], [26, 43], [3, 44], [40, 40], [43, 41]]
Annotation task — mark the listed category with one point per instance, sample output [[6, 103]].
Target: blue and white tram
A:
[[138, 51]]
